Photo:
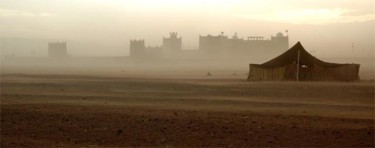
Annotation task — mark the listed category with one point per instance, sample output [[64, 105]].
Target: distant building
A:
[[222, 46], [139, 50], [172, 45], [154, 51], [57, 50], [219, 46]]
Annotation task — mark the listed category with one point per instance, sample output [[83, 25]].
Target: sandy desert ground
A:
[[77, 110]]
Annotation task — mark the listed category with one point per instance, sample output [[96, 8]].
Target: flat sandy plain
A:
[[89, 111]]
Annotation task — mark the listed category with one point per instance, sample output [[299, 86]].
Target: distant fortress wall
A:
[[154, 51], [219, 46], [57, 49], [139, 50]]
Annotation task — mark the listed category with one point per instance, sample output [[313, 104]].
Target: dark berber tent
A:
[[297, 64]]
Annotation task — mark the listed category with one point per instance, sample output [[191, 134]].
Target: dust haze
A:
[[103, 29], [160, 73]]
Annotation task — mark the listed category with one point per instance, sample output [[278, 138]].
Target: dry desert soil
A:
[[89, 111]]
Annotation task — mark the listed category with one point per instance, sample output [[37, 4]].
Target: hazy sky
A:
[[104, 27]]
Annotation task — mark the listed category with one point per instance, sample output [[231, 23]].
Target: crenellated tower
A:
[[137, 48], [280, 42], [172, 45]]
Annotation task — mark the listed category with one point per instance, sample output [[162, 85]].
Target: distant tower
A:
[[214, 46], [172, 46], [57, 49], [137, 48], [235, 36], [280, 42]]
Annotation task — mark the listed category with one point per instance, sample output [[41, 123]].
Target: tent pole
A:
[[297, 76]]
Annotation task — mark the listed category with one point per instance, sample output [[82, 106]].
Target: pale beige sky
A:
[[104, 27]]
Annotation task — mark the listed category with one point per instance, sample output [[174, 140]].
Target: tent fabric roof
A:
[[291, 56]]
